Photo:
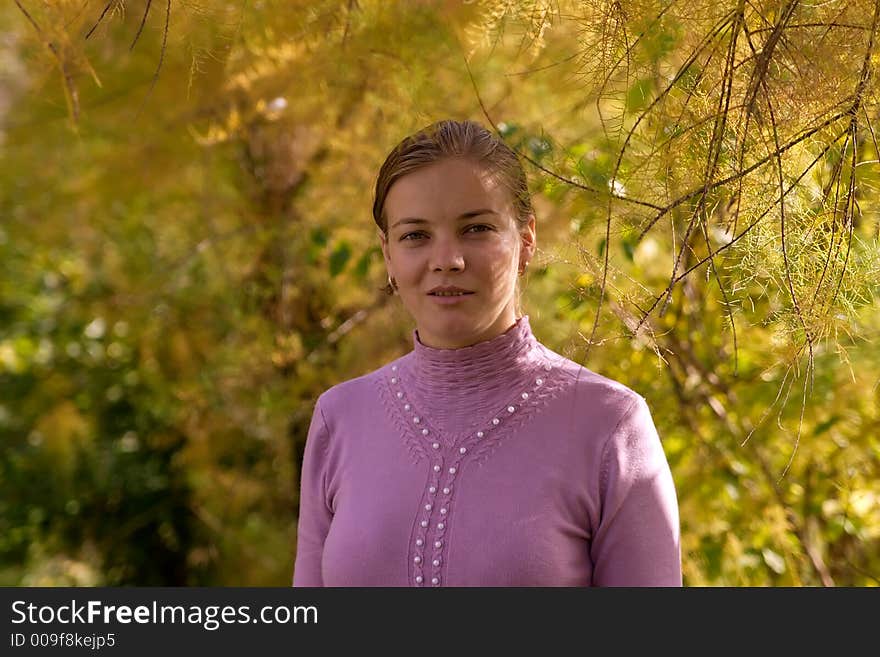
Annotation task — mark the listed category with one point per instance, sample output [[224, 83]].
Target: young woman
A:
[[481, 457]]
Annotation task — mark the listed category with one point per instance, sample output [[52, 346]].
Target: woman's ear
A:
[[384, 244], [529, 237]]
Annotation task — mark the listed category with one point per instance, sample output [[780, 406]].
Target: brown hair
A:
[[450, 138]]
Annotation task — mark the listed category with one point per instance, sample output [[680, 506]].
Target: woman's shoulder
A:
[[354, 391], [594, 391], [617, 415]]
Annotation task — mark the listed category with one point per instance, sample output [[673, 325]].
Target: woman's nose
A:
[[447, 254]]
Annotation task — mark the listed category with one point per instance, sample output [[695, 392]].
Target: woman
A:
[[481, 457]]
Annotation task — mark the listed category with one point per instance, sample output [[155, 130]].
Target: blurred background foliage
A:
[[187, 259]]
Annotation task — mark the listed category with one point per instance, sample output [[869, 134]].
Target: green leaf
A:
[[712, 550], [689, 78], [507, 129], [822, 427], [660, 41], [339, 258], [318, 236], [638, 97], [595, 169], [539, 146], [363, 264]]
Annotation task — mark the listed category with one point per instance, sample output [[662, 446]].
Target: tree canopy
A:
[[187, 259]]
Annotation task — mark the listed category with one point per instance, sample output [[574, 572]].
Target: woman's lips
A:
[[450, 299]]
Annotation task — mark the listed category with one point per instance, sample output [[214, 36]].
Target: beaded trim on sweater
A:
[[449, 398], [453, 408]]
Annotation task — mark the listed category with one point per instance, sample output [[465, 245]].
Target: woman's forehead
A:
[[446, 192], [484, 214]]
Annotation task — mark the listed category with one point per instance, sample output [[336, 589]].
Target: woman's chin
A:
[[450, 333]]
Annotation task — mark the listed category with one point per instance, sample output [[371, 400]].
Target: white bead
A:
[[435, 581], [418, 579], [428, 507], [480, 434], [399, 395], [394, 368], [436, 468], [440, 525], [432, 489], [393, 379], [548, 367], [443, 510], [539, 381], [424, 432], [510, 409], [446, 491], [406, 407], [417, 559], [424, 523], [495, 421], [419, 542], [435, 445], [452, 470], [436, 562], [525, 395], [462, 450], [417, 419], [438, 544]]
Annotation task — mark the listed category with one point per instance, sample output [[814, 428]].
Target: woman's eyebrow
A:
[[466, 215]]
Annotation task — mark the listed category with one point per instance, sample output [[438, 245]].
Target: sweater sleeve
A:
[[315, 513], [637, 540]]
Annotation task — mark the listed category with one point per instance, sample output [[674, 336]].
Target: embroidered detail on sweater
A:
[[545, 389], [422, 437], [452, 410], [416, 443], [448, 455]]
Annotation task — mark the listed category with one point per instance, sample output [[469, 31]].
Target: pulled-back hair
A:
[[448, 139]]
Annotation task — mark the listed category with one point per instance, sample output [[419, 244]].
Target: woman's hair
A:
[[446, 139]]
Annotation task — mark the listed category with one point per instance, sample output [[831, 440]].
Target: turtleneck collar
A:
[[456, 387], [446, 367]]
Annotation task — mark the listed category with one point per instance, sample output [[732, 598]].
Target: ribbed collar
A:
[[455, 388], [444, 368]]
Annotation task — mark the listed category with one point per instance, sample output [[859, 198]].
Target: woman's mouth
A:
[[445, 298]]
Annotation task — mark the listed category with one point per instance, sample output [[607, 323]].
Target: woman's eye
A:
[[407, 236]]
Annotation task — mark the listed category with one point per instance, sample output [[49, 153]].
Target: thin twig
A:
[[70, 93], [100, 18], [754, 223], [141, 26], [161, 58]]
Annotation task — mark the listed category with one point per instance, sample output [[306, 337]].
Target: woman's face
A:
[[436, 239]]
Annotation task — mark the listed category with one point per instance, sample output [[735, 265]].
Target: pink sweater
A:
[[498, 464]]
